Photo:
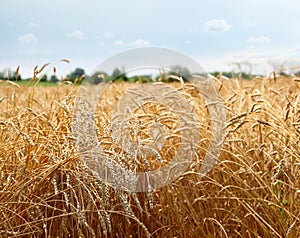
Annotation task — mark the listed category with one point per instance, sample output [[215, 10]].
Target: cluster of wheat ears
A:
[[47, 189]]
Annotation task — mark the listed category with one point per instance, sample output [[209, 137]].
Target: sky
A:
[[218, 34]]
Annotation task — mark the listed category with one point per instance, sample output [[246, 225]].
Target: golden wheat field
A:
[[46, 189]]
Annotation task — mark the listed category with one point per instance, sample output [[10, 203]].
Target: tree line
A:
[[117, 75], [78, 75]]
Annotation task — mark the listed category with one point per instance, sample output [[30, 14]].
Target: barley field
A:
[[47, 190]]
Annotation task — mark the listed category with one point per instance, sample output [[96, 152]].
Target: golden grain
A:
[[47, 189]]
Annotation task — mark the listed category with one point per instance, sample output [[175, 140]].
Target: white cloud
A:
[[108, 35], [28, 38], [119, 43], [140, 43], [77, 35], [259, 39], [216, 26], [33, 24]]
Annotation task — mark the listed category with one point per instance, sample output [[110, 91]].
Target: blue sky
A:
[[216, 33]]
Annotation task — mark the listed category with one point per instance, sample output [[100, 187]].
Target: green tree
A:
[[76, 74], [180, 71], [118, 75], [98, 77], [53, 79], [7, 74], [44, 78]]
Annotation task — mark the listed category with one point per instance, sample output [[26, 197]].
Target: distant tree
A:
[[44, 78], [177, 71], [283, 73], [76, 74], [140, 78], [99, 77], [53, 79], [7, 74], [118, 75], [216, 73], [180, 71]]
